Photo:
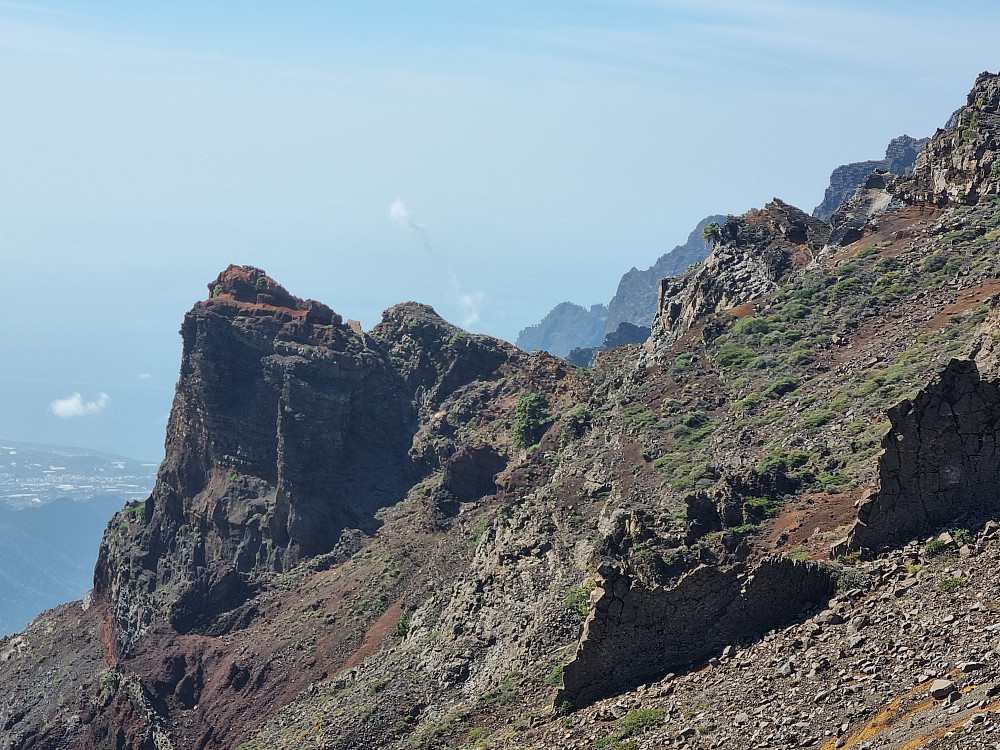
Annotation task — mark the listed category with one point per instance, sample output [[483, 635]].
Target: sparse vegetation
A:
[[403, 625], [949, 585], [935, 547], [578, 600], [531, 419]]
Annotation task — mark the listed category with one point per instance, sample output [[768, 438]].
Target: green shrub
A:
[[793, 311], [476, 733], [960, 535], [779, 459], [682, 362], [638, 416], [798, 357], [832, 482], [966, 124], [780, 386], [866, 252], [403, 625], [851, 579], [578, 599], [506, 692], [814, 419], [692, 476], [950, 585], [460, 340], [935, 547], [849, 558], [555, 677], [734, 356], [693, 431], [747, 404], [640, 720], [751, 326], [531, 419], [765, 506], [934, 262], [846, 269], [711, 233], [799, 553], [846, 287]]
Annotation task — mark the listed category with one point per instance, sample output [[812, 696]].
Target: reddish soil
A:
[[794, 527], [967, 300], [382, 627]]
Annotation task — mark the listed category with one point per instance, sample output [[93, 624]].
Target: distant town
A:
[[32, 475]]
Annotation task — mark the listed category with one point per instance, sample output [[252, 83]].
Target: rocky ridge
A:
[[900, 158], [547, 530], [564, 328], [571, 331]]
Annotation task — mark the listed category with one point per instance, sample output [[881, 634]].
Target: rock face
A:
[[873, 198], [571, 331], [960, 164], [626, 333], [940, 460], [900, 158], [753, 253], [566, 327], [288, 427], [635, 300], [635, 634]]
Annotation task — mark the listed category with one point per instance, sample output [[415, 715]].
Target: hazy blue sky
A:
[[543, 148]]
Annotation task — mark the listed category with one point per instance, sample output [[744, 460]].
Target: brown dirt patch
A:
[[812, 526], [967, 300], [382, 627]]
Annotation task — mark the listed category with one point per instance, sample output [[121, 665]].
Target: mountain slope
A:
[[421, 538]]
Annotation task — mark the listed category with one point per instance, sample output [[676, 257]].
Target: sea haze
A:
[[55, 503]]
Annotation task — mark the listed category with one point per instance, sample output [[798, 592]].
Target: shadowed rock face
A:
[[635, 634], [940, 460], [288, 428]]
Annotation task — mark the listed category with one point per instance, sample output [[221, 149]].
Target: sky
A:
[[489, 158]]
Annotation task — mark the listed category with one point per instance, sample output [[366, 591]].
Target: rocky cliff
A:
[[564, 328], [572, 331], [900, 158], [769, 525], [751, 255], [635, 299]]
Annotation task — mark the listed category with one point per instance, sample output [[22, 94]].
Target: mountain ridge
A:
[[420, 537]]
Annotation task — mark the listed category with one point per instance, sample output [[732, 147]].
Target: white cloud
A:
[[74, 405], [402, 217], [469, 303], [144, 376]]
